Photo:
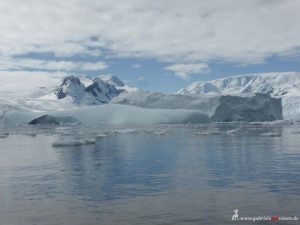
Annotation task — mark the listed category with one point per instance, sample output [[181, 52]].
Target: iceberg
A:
[[219, 108], [259, 107], [73, 142], [153, 108], [114, 114]]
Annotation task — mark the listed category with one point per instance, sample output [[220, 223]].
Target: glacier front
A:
[[219, 108], [112, 114]]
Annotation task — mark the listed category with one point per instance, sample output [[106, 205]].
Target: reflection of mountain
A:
[[118, 167]]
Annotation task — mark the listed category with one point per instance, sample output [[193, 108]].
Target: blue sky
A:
[[156, 78], [155, 45]]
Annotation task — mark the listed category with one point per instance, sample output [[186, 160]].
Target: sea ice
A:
[[73, 142], [270, 135]]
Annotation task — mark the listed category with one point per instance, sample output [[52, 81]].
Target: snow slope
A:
[[285, 85]]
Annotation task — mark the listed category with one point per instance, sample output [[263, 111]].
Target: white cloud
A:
[[94, 66], [52, 65], [18, 84], [136, 66], [171, 30], [141, 78], [185, 70]]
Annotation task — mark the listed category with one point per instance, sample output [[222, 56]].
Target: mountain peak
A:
[[103, 91], [71, 85], [113, 80]]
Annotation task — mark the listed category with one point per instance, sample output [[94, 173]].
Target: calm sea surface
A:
[[155, 174]]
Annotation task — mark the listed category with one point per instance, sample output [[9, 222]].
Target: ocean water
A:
[[152, 174]]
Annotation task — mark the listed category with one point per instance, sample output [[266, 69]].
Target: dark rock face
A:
[[98, 92], [68, 82], [102, 91], [45, 119], [59, 93]]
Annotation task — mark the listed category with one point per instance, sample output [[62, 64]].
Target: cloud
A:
[[17, 84], [49, 65], [185, 70], [190, 31], [136, 66], [141, 78], [93, 66]]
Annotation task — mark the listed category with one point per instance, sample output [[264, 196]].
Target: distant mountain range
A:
[[77, 91], [275, 84]]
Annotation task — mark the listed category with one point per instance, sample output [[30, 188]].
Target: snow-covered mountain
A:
[[97, 91], [285, 85], [74, 92], [90, 91], [51, 93], [276, 84]]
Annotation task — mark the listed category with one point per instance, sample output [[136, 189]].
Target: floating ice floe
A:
[[4, 134], [73, 142], [125, 131], [31, 134], [216, 132], [275, 122], [162, 132], [101, 136], [233, 131], [213, 132], [270, 135]]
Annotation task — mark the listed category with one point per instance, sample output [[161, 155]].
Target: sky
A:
[[159, 45]]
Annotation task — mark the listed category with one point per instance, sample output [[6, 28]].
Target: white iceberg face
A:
[[258, 107], [115, 114]]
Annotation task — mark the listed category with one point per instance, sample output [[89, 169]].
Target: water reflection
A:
[[142, 178], [119, 166]]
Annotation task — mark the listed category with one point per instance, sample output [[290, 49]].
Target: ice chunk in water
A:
[[73, 142], [270, 135]]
